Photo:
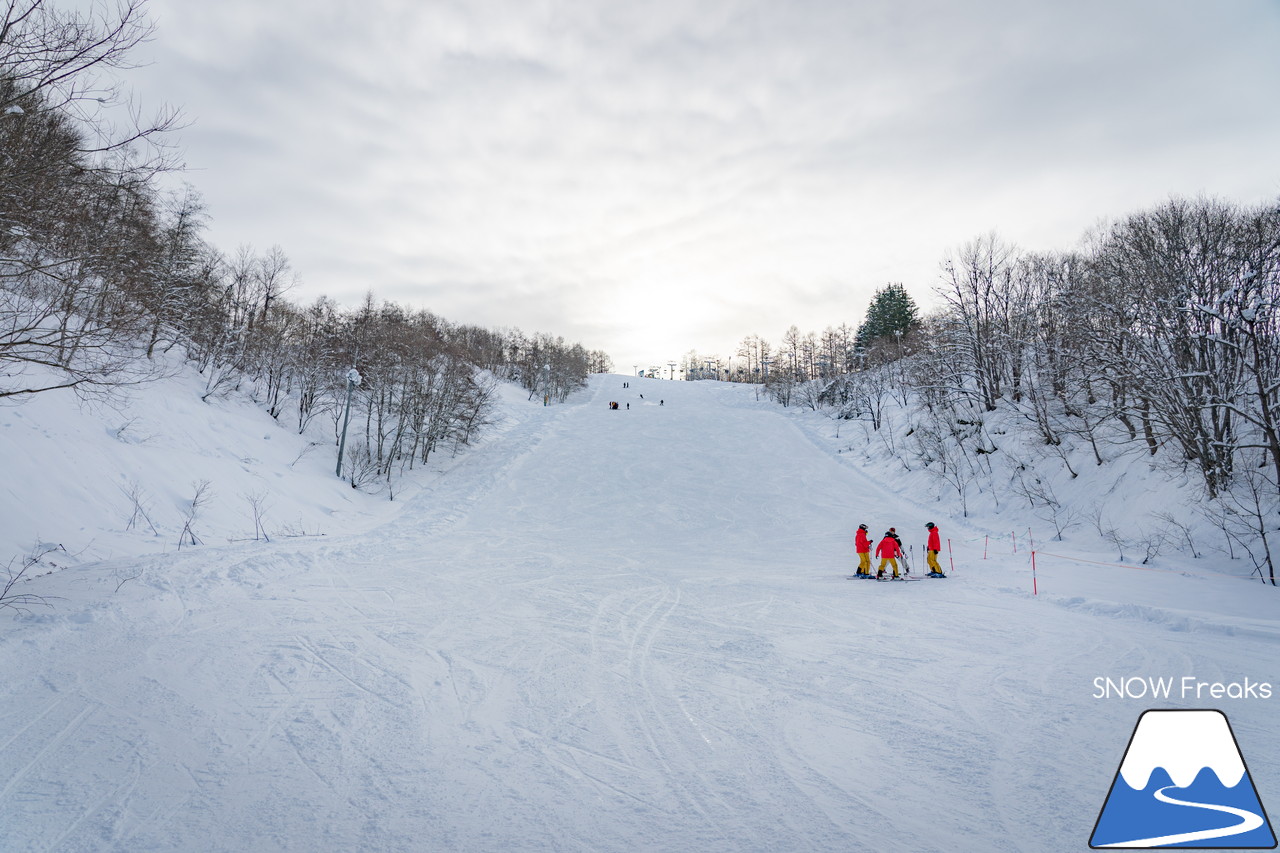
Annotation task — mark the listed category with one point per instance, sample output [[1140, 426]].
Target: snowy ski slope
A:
[[604, 631]]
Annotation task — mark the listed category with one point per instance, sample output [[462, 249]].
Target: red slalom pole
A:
[[951, 556], [985, 541], [1014, 537], [1034, 589]]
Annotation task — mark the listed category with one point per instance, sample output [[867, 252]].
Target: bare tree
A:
[[976, 284], [258, 508], [67, 62], [10, 598], [201, 496], [77, 209]]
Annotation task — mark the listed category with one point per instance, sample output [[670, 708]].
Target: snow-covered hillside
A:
[[604, 630], [86, 481]]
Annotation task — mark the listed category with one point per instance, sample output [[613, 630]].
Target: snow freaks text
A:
[[1187, 687]]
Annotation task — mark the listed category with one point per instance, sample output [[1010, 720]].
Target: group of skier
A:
[[889, 550], [615, 405]]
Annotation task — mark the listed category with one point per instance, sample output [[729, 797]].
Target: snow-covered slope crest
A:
[[1183, 743]]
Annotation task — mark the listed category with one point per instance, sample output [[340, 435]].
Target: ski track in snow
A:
[[605, 630]]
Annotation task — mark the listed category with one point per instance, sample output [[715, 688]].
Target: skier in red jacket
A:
[[862, 544], [888, 551], [931, 549]]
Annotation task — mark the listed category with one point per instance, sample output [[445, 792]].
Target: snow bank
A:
[[91, 480]]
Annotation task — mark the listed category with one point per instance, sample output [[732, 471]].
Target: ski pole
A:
[[950, 555], [1034, 589]]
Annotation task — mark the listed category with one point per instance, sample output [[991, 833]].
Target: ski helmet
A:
[[929, 525], [862, 527]]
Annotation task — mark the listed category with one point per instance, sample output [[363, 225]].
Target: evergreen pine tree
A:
[[891, 310]]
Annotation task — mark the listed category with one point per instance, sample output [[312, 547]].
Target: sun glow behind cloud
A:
[[650, 178]]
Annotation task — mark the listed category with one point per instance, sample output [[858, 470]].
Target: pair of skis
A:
[[884, 579], [903, 577]]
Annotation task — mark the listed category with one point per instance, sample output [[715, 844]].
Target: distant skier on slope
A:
[[862, 545], [932, 548], [889, 550]]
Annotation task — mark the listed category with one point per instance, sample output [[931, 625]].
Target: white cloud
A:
[[653, 177]]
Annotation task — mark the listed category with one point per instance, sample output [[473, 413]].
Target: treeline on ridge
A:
[[102, 271], [1158, 335]]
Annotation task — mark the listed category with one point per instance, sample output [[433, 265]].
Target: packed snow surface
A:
[[608, 631]]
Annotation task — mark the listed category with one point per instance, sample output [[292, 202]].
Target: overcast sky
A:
[[653, 177]]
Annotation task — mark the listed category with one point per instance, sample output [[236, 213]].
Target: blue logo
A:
[[1183, 783]]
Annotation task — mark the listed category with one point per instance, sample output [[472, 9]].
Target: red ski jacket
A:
[[935, 540], [862, 542], [888, 547]]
